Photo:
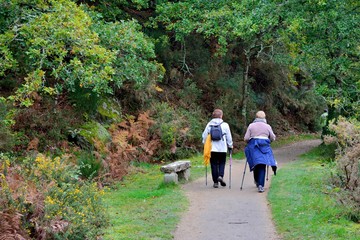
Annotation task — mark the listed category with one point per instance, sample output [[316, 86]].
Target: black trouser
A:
[[259, 174], [217, 162]]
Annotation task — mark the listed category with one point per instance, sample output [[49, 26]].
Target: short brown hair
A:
[[217, 113]]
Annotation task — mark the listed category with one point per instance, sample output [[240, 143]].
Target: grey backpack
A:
[[216, 132]]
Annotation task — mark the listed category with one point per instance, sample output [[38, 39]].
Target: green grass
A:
[[303, 204], [142, 207], [282, 141]]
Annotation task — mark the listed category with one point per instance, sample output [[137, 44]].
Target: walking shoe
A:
[[216, 185], [261, 189], [220, 179]]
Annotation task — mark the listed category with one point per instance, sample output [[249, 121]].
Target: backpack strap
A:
[[222, 137], [219, 124]]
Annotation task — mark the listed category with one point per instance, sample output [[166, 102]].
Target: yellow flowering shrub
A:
[[54, 202], [77, 204]]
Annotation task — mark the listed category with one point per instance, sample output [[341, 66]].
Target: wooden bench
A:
[[179, 170]]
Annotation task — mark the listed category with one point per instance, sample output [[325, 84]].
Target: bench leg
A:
[[185, 174], [171, 177]]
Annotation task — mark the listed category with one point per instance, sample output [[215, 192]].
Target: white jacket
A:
[[222, 145]]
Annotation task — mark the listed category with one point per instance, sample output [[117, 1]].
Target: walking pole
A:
[[267, 172], [243, 176], [230, 162], [206, 175]]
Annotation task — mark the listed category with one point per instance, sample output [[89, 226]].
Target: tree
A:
[[250, 25], [55, 47], [314, 39]]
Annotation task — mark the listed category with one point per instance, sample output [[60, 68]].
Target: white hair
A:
[[260, 114]]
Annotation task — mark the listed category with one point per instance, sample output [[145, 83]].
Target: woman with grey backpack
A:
[[221, 142]]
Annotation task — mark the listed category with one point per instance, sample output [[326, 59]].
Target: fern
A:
[[131, 141], [10, 226]]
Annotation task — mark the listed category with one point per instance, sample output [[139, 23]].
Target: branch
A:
[[185, 68]]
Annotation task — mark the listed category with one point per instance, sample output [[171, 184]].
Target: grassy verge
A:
[[282, 141], [302, 203], [142, 207]]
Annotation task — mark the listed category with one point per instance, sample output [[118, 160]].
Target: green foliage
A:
[[7, 59], [167, 126], [58, 45], [6, 137], [89, 165], [224, 20], [84, 100], [179, 131], [61, 48], [323, 47], [229, 100], [80, 207], [96, 134], [190, 139], [122, 9], [134, 52], [110, 109], [189, 96], [302, 104]]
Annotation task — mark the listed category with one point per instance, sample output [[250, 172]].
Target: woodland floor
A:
[[228, 213]]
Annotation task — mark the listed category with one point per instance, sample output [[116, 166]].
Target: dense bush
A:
[[179, 131], [6, 137], [45, 123], [49, 197], [347, 137], [89, 165]]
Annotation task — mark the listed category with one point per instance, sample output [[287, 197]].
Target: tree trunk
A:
[[245, 87]]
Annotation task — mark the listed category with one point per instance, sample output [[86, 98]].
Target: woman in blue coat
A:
[[258, 151]]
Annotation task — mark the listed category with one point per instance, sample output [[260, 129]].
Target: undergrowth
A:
[[44, 198], [346, 174]]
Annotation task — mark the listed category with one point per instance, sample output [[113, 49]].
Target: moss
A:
[[94, 132], [110, 109]]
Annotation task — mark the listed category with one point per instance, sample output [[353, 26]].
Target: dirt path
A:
[[225, 213]]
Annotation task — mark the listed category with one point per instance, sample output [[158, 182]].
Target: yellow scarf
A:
[[207, 150]]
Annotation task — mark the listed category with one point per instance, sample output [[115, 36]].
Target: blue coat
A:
[[258, 151]]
